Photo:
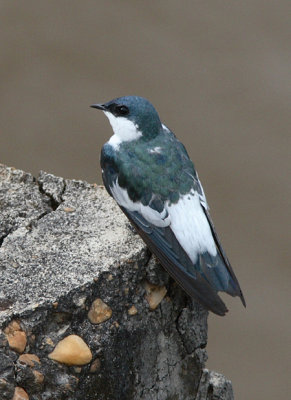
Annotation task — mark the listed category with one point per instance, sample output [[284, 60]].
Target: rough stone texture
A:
[[65, 244]]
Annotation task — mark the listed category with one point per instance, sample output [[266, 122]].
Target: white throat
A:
[[124, 130]]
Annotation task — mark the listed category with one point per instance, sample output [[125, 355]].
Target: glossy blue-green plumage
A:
[[154, 170], [142, 113], [167, 171]]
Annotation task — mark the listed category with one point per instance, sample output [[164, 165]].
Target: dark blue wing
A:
[[232, 287], [201, 280], [163, 243]]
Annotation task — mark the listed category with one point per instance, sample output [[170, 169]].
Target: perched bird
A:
[[147, 170]]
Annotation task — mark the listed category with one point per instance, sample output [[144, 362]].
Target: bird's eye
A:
[[122, 110]]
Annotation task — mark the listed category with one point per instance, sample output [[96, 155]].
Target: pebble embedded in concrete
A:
[[95, 366], [132, 310], [154, 294], [20, 394], [71, 351], [69, 209], [38, 377], [99, 312], [29, 359], [16, 337]]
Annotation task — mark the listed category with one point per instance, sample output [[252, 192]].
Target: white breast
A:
[[124, 130]]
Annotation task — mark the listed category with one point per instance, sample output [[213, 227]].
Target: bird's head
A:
[[131, 117]]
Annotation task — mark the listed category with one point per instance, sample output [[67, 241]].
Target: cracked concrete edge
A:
[[49, 225], [20, 200], [52, 186], [52, 201], [214, 386], [45, 196]]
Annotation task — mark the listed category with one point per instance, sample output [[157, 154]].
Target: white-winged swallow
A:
[[147, 170]]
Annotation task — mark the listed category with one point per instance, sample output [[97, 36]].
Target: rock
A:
[[16, 337], [29, 359], [63, 245], [132, 310], [69, 209], [99, 312], [38, 377], [95, 366], [49, 341], [20, 394], [154, 294], [72, 351]]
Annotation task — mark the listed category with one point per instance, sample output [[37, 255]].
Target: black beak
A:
[[99, 107]]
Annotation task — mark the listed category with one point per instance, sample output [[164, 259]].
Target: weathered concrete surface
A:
[[65, 244]]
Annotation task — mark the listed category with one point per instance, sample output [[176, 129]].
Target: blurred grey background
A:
[[219, 74]]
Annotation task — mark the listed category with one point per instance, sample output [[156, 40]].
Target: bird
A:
[[149, 173]]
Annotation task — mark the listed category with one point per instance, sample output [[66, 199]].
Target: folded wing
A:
[[154, 224], [182, 236]]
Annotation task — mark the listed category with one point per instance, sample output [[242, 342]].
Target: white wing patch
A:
[[186, 218], [190, 226], [155, 150], [160, 220], [124, 130]]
